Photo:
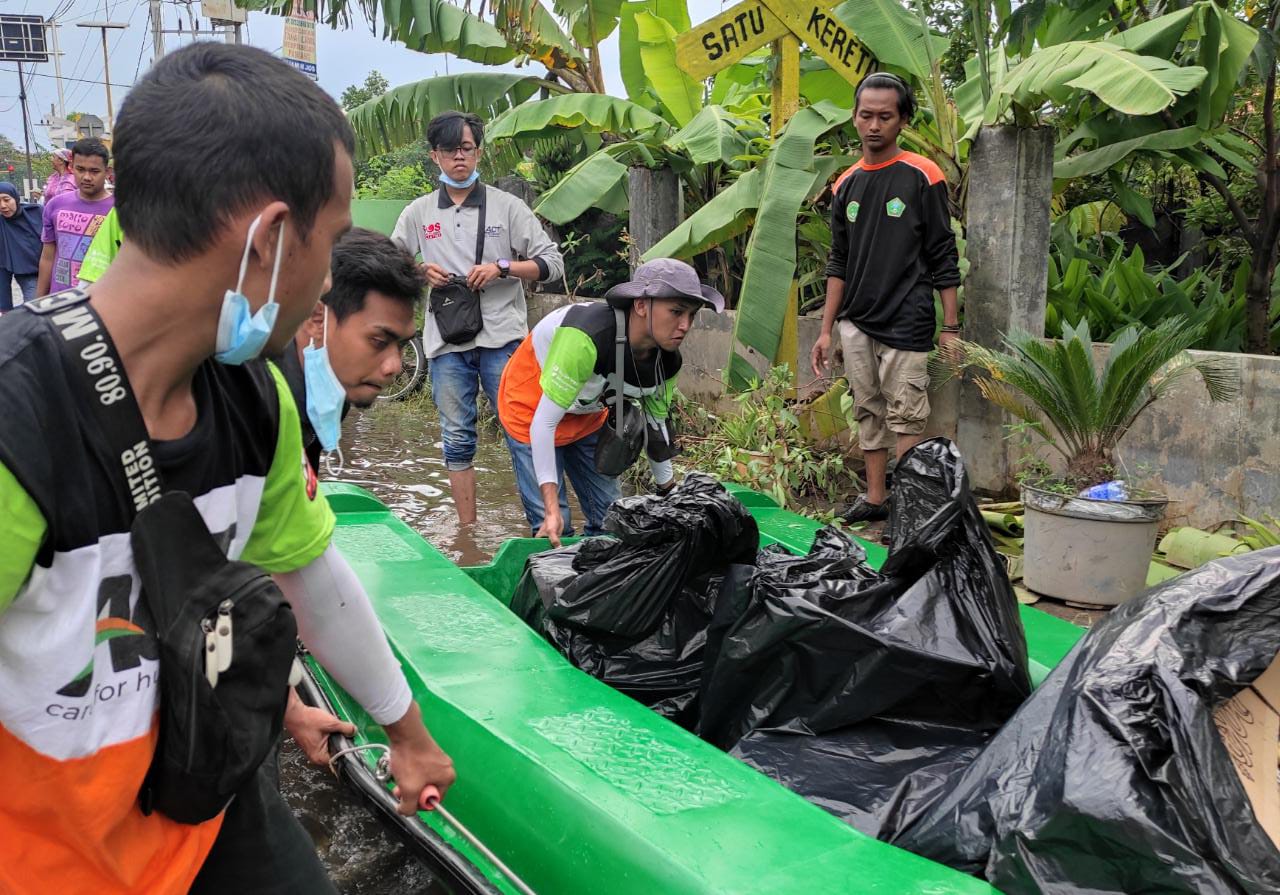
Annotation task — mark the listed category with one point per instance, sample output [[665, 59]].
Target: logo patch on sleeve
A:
[[852, 212], [895, 207]]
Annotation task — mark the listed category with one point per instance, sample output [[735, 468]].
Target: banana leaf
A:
[[598, 181], [679, 93], [728, 214], [1097, 160], [711, 137], [401, 114], [892, 34], [1127, 82], [576, 111], [788, 179], [590, 21]]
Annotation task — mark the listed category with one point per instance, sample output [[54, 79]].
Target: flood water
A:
[[394, 450]]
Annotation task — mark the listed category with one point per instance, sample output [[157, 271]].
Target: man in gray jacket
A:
[[443, 227]]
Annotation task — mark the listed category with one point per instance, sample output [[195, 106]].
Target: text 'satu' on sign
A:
[[728, 38]]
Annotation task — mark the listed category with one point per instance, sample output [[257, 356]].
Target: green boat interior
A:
[[577, 787]]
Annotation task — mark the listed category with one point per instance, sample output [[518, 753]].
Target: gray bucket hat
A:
[[664, 278]]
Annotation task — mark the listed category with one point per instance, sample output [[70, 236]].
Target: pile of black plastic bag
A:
[[899, 699]]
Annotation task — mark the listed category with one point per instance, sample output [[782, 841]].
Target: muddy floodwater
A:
[[394, 451]]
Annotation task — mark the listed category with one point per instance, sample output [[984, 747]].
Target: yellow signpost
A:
[[742, 29]]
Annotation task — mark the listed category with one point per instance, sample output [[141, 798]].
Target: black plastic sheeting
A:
[[863, 690], [634, 611], [1112, 777]]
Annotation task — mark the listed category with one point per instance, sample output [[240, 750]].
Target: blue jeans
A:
[[456, 378], [578, 460], [26, 285]]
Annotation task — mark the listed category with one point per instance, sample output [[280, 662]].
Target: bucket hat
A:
[[664, 278]]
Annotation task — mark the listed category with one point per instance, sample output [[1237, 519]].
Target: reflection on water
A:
[[394, 450]]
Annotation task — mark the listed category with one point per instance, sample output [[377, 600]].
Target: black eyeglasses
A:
[[466, 150]]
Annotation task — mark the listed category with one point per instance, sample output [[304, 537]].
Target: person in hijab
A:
[[63, 179], [19, 246]]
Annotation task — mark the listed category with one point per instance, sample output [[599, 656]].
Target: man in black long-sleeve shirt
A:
[[891, 247]]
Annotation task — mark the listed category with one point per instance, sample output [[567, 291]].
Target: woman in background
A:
[[19, 246]]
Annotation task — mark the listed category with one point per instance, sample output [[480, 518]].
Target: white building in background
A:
[[63, 132]]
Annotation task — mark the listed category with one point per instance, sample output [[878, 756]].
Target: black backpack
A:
[[226, 635]]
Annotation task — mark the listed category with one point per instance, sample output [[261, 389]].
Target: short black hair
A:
[[91, 146], [364, 260], [445, 130], [883, 80], [213, 128]]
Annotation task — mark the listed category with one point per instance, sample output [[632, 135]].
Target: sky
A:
[[343, 58]]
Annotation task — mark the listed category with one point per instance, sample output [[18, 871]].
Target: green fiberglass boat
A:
[[574, 786]]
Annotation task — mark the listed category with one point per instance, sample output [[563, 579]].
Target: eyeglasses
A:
[[466, 150]]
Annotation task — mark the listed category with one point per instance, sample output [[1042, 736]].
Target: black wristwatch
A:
[[504, 268]]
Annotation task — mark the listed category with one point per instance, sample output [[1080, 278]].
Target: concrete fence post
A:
[[1007, 231], [656, 205]]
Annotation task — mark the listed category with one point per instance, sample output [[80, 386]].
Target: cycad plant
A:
[[1083, 411]]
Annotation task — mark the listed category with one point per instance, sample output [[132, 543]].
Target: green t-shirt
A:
[[103, 250]]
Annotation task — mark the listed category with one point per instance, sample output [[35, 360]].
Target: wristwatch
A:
[[504, 267]]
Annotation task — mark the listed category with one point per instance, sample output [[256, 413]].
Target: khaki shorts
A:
[[890, 388]]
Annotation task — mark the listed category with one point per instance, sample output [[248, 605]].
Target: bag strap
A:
[[484, 200], [94, 365], [619, 380]]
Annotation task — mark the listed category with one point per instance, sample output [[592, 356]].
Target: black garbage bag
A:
[[1112, 777], [865, 690], [633, 610]]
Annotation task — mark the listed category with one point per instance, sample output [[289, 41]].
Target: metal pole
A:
[[57, 70], [106, 77], [26, 128], [239, 39], [157, 32]]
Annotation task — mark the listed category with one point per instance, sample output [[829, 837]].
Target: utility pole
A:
[[106, 63], [26, 127], [157, 32], [57, 68]]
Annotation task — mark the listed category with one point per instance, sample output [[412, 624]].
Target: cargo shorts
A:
[[890, 388]]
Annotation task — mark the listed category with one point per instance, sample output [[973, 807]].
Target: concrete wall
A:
[[1216, 461]]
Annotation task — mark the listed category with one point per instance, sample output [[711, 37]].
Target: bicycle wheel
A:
[[413, 372]]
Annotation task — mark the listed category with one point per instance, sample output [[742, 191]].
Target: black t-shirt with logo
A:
[[891, 243]]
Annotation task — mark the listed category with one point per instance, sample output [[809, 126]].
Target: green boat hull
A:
[[578, 788]]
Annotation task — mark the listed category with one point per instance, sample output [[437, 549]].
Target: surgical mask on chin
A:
[[460, 184], [242, 334], [325, 394]]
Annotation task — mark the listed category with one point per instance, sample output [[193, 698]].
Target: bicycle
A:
[[413, 371]]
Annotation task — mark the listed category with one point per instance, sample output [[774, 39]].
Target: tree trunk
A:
[[1257, 308]]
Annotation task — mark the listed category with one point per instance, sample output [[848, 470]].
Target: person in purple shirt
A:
[[62, 180], [72, 219]]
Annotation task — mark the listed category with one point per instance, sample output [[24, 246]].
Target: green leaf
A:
[[629, 64], [400, 115], [1133, 202], [1217, 145], [788, 177], [576, 111], [711, 137], [1225, 46], [1128, 83], [598, 181], [1104, 157], [679, 93], [892, 34], [728, 214], [824, 84], [1201, 161], [1158, 37], [1092, 218], [530, 27], [590, 21], [434, 26]]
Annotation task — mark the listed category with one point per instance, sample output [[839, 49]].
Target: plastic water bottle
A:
[[1115, 490]]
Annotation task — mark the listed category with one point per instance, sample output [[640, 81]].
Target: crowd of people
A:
[[227, 310]]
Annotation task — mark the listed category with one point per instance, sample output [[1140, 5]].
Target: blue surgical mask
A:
[[459, 184], [242, 334], [325, 394]]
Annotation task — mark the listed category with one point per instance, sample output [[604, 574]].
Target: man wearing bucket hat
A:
[[591, 387]]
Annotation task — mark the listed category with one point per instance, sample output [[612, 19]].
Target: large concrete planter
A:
[[1095, 552]]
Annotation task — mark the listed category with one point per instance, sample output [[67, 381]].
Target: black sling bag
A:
[[226, 636], [455, 306]]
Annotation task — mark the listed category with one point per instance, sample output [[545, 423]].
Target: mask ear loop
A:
[[275, 268], [248, 247], [328, 463]]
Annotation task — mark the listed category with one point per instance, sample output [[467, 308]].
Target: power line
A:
[[78, 80]]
